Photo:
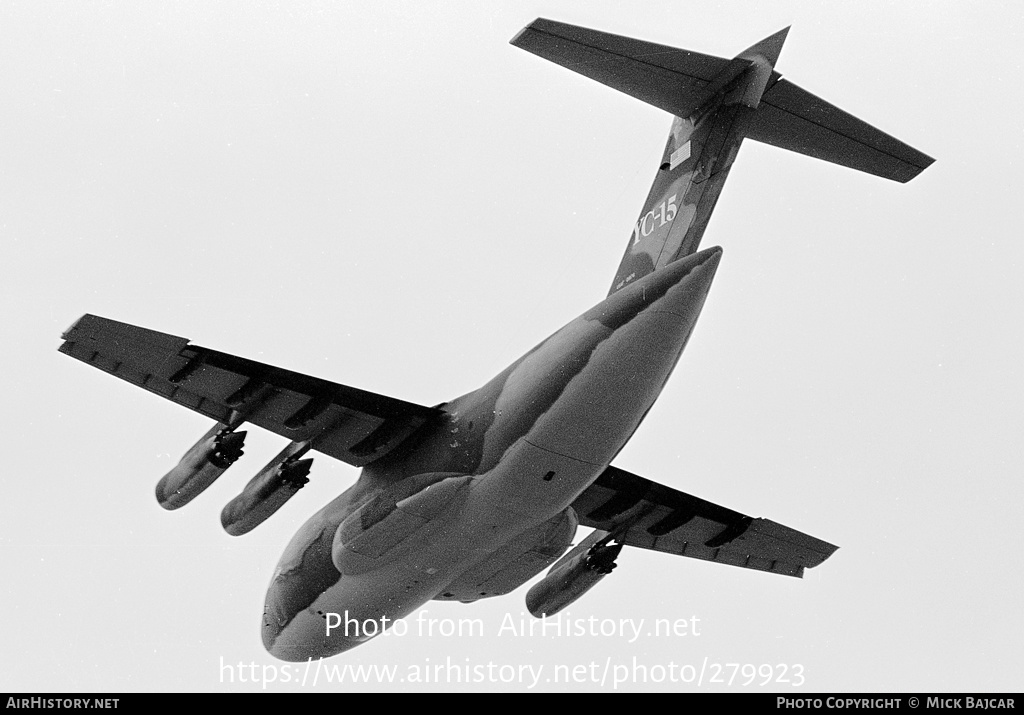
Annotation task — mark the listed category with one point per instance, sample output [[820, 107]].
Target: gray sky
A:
[[392, 197]]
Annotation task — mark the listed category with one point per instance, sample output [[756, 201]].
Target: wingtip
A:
[[923, 162], [86, 316], [515, 41]]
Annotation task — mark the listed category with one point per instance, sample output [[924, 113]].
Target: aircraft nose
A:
[[294, 628], [288, 631], [272, 624], [277, 616], [298, 639]]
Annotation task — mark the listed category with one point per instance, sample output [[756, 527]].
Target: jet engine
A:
[[577, 572], [208, 458], [268, 491]]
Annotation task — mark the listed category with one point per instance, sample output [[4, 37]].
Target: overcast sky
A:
[[390, 196]]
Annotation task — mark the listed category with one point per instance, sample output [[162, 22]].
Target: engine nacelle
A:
[[267, 492], [578, 572], [208, 458]]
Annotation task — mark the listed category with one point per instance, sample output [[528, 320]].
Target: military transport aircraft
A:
[[474, 497]]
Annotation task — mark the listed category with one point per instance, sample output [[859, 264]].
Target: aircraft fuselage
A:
[[474, 497], [479, 503]]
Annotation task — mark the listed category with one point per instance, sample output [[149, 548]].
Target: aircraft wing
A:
[[649, 515], [352, 425]]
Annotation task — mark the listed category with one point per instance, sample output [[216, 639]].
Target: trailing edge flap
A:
[[352, 425], [649, 515], [668, 78], [791, 118]]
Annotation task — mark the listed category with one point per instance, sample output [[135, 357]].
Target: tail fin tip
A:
[[769, 48]]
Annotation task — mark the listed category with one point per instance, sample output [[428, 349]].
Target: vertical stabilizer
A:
[[699, 153]]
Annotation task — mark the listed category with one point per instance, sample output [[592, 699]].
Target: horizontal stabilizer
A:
[[792, 118], [682, 82], [666, 77]]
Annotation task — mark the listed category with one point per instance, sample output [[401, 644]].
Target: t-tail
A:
[[716, 103]]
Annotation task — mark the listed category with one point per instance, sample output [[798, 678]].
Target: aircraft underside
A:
[[582, 392], [473, 498]]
